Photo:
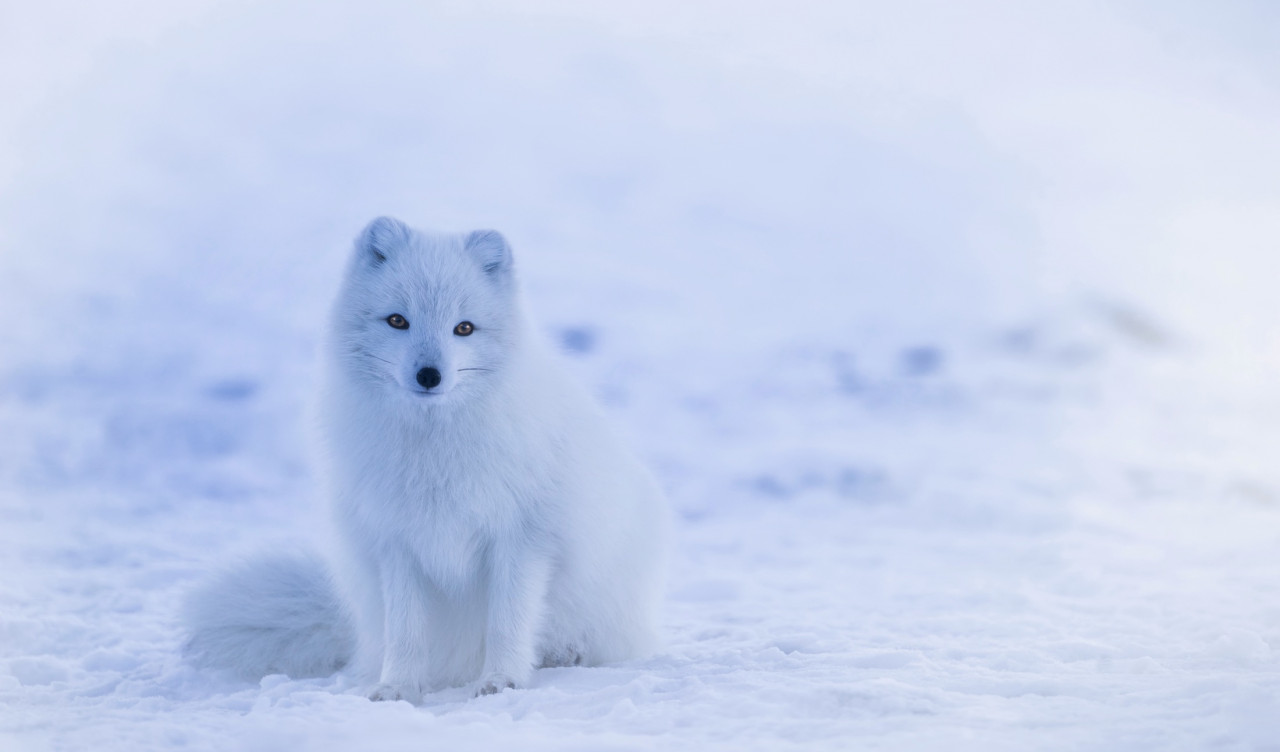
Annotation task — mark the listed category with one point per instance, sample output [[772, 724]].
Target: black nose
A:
[[429, 378]]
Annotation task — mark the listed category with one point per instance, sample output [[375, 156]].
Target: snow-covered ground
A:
[[950, 329]]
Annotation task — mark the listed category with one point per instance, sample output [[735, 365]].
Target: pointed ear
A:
[[381, 238], [491, 250]]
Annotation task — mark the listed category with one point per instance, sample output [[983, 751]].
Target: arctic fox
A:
[[487, 521]]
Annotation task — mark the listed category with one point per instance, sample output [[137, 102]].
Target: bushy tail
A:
[[277, 614]]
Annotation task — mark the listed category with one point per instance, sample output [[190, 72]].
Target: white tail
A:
[[275, 614]]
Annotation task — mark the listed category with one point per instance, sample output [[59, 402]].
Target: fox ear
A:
[[380, 238], [491, 250]]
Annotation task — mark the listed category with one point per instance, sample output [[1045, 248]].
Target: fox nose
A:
[[429, 378]]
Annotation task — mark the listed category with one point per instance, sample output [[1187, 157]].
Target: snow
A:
[[950, 330]]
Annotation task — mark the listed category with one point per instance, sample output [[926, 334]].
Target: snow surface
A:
[[949, 327]]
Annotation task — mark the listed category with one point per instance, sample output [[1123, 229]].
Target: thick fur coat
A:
[[487, 521]]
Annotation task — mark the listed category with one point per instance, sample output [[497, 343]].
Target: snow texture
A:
[[949, 328]]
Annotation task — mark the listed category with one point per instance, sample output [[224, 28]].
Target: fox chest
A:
[[452, 499], [454, 518]]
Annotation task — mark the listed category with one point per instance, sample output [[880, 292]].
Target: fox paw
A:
[[393, 692], [561, 658], [494, 684]]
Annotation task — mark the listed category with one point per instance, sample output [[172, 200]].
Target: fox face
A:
[[429, 317]]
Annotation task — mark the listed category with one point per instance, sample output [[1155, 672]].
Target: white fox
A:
[[487, 521]]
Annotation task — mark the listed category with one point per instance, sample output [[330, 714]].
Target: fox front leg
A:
[[517, 599], [405, 633]]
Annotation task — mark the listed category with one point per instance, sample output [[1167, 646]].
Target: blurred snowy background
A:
[[950, 329]]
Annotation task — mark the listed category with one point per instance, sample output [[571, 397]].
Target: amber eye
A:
[[464, 329], [397, 321]]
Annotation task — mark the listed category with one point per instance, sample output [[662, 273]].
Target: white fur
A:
[[274, 614], [486, 526]]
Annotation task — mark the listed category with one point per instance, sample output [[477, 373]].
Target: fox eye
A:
[[464, 329], [397, 321]]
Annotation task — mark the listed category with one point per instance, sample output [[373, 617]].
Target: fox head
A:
[[430, 316]]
